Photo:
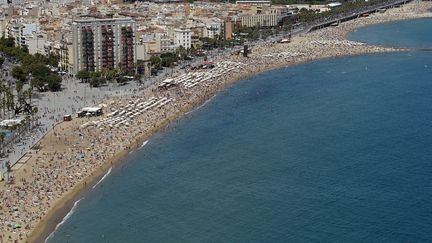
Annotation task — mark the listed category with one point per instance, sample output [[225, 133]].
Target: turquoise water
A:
[[333, 151]]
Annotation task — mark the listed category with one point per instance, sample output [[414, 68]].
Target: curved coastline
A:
[[79, 192], [64, 204], [385, 42]]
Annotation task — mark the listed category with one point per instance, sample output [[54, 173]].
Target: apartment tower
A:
[[100, 44]]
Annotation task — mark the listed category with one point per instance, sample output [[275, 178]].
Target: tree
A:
[[21, 100], [19, 74], [167, 59], [3, 97], [140, 66], [25, 48], [83, 75], [54, 82], [52, 60], [29, 94], [38, 70], [19, 87], [9, 100], [7, 42], [39, 83], [181, 52], [110, 75], [155, 61], [97, 81], [138, 77], [95, 74], [121, 79], [22, 96]]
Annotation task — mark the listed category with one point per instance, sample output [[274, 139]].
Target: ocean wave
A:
[[103, 177], [68, 215], [144, 143]]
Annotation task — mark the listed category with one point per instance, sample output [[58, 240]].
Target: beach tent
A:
[[334, 5], [11, 122], [92, 110], [67, 118]]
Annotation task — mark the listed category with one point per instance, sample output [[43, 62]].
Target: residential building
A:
[[213, 29], [103, 44], [183, 37], [228, 29], [261, 20], [15, 30], [159, 42], [26, 34], [166, 43], [66, 60], [35, 43]]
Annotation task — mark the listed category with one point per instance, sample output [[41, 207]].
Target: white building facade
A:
[[213, 30], [183, 37]]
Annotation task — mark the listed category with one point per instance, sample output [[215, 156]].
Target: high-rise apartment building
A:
[[100, 44]]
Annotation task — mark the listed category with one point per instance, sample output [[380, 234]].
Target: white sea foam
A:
[[103, 177], [144, 143], [68, 215]]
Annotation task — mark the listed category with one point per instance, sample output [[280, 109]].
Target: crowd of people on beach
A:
[[51, 109], [70, 153]]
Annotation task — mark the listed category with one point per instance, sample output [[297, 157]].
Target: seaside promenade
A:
[[73, 154], [52, 108]]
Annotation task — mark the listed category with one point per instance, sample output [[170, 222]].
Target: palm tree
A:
[[2, 98], [181, 52], [9, 100], [27, 105], [21, 98]]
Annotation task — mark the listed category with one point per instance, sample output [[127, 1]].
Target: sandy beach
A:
[[74, 155]]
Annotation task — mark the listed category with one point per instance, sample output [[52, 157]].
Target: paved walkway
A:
[[52, 106]]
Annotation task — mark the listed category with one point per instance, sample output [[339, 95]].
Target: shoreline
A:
[[63, 204], [118, 158]]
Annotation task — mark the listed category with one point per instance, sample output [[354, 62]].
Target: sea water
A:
[[336, 150], [415, 33]]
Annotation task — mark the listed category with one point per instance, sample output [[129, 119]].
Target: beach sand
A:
[[74, 155]]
